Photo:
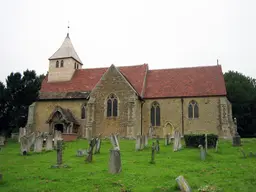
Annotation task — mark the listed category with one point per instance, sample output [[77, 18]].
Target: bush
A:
[[193, 140]]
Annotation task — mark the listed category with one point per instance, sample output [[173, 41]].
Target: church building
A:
[[129, 100]]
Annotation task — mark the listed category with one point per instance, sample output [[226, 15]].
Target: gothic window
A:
[[61, 63], [112, 106], [57, 64], [193, 110], [155, 114], [83, 112]]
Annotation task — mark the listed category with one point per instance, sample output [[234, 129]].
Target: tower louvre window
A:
[[57, 64], [61, 63]]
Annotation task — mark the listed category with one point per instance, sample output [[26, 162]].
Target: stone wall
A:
[[112, 82], [171, 115]]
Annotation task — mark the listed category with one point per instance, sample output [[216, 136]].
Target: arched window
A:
[[83, 112], [155, 114], [193, 110], [112, 106], [75, 66], [61, 63], [57, 64]]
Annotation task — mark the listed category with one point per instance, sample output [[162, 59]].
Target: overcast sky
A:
[[163, 33]]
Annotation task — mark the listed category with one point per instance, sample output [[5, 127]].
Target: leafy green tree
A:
[[241, 91]]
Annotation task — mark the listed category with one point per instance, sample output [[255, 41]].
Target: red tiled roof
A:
[[86, 79], [179, 82], [185, 82]]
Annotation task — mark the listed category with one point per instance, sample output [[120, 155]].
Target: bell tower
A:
[[64, 62]]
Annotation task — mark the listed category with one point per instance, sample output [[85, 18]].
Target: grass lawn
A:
[[225, 170]]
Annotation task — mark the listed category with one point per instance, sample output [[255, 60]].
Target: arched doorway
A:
[[168, 128], [59, 127]]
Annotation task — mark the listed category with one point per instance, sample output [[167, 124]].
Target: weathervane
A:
[[68, 26]]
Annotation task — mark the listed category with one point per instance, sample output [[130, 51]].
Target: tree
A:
[[241, 92]]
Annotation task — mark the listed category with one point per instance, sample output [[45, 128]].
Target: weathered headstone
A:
[[236, 137], [146, 140], [115, 165], [98, 145], [81, 152], [202, 152], [90, 150], [183, 184], [49, 145], [153, 148], [216, 146], [114, 142], [38, 146], [26, 142], [206, 142], [168, 139], [22, 132], [2, 140], [138, 143], [177, 141], [157, 146]]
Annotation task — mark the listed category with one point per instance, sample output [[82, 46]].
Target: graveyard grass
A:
[[224, 170]]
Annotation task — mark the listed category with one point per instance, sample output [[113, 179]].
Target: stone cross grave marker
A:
[[90, 150], [59, 152], [153, 148], [49, 143], [202, 152], [177, 141], [57, 136], [236, 137], [38, 146], [183, 184], [2, 140]]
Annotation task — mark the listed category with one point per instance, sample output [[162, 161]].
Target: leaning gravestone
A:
[[38, 146], [202, 152], [49, 145], [183, 184], [97, 146], [115, 165], [2, 140], [114, 141], [22, 132]]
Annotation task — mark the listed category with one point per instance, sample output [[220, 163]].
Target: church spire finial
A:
[[68, 30]]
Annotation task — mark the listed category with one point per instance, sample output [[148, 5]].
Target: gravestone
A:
[[202, 152], [114, 142], [98, 145], [168, 139], [177, 141], [26, 142], [90, 150], [115, 165], [157, 146], [216, 146], [236, 137], [2, 140], [59, 149], [153, 148], [49, 145], [138, 143], [22, 132], [146, 141], [206, 142], [142, 142], [38, 146], [81, 152], [183, 184]]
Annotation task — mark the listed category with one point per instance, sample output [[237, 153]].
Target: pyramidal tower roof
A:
[[66, 50]]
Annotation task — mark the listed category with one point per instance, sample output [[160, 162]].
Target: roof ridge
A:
[[204, 66], [115, 66]]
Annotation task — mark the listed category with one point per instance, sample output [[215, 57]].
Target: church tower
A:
[[64, 62]]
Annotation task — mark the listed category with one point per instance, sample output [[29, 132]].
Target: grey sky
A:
[[164, 34]]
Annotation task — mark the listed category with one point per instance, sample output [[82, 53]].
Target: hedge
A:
[[194, 140]]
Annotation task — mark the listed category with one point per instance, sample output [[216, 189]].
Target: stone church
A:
[[130, 100]]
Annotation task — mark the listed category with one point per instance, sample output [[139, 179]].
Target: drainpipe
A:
[[141, 119], [182, 116]]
